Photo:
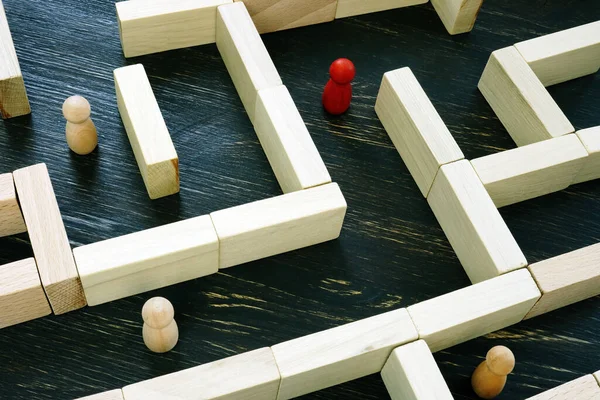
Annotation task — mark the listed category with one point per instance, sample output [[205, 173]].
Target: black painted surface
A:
[[392, 253]]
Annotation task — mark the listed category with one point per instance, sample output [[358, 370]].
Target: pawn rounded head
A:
[[342, 71], [76, 109], [500, 360], [158, 312]]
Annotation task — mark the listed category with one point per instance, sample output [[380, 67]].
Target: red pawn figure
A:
[[338, 92]]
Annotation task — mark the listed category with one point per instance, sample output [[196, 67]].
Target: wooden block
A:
[[415, 127], [476, 310], [277, 15], [478, 234], [251, 375], [244, 54], [111, 395], [22, 297], [147, 131], [147, 260], [273, 226], [564, 55], [531, 171], [13, 96], [597, 376], [341, 354], [152, 26], [519, 99], [567, 279], [584, 388], [11, 219], [349, 8], [591, 167], [286, 141], [411, 373], [49, 240], [458, 16]]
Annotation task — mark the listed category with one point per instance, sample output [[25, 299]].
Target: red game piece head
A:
[[342, 71]]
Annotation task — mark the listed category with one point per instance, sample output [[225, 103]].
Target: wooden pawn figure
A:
[[489, 377], [338, 91], [160, 330], [81, 133]]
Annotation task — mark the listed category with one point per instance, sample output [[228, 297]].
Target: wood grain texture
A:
[[476, 310], [248, 376], [287, 143], [350, 8], [481, 239], [147, 131], [244, 53], [277, 15], [49, 240], [519, 99], [410, 373], [531, 171], [564, 55], [584, 388], [458, 16], [566, 279], [340, 354], [415, 127], [147, 260], [153, 26], [116, 394], [391, 253], [22, 297], [591, 141], [11, 219], [13, 95], [279, 224]]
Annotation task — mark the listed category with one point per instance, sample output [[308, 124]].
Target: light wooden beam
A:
[[264, 228], [476, 310], [11, 219], [153, 26], [531, 171], [591, 141], [110, 395], [147, 260], [245, 55], [584, 388], [458, 16], [415, 127], [277, 15], [477, 232], [411, 373], [566, 279], [341, 354], [286, 141], [251, 375], [13, 96], [350, 8], [148, 134], [49, 239], [519, 99], [565, 55], [22, 297]]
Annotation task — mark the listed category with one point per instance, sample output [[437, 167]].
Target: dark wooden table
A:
[[392, 252]]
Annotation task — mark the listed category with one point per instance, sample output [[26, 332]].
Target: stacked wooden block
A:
[[152, 26], [398, 343], [311, 211], [31, 288], [465, 195]]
